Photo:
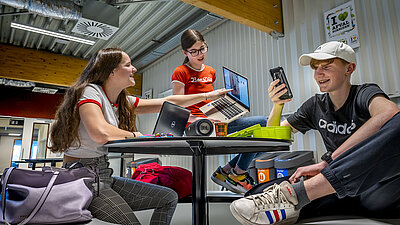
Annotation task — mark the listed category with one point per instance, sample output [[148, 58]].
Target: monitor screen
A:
[[239, 84]]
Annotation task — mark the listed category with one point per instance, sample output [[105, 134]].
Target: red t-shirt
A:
[[195, 82]]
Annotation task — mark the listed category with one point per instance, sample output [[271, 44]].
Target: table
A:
[[198, 148]]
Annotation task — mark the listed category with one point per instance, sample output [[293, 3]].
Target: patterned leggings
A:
[[119, 197]]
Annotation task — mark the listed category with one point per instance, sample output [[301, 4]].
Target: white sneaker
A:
[[276, 205]]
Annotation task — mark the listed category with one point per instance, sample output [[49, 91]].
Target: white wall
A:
[[6, 146], [252, 52]]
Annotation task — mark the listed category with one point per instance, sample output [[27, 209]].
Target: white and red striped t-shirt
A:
[[95, 94]]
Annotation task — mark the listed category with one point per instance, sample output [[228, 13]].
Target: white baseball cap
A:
[[330, 50]]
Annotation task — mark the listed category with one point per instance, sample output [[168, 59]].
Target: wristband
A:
[[134, 135], [327, 157]]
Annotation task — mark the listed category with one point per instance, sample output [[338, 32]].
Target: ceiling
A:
[[147, 30]]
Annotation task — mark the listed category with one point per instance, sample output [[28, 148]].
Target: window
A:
[[40, 136], [16, 152]]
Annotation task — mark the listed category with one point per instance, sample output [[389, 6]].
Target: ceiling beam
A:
[[264, 15]]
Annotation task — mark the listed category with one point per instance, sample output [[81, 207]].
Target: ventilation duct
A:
[[98, 20], [94, 18], [49, 8]]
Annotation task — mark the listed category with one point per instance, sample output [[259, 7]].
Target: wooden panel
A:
[[39, 66], [264, 15], [43, 67]]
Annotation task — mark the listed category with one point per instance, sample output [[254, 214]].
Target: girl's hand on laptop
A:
[[213, 95]]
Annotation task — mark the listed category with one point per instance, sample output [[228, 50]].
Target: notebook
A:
[[235, 104], [171, 120]]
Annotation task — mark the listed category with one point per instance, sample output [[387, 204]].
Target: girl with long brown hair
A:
[[97, 109]]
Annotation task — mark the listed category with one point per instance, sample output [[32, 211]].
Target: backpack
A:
[[176, 178]]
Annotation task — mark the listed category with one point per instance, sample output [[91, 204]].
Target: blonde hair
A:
[[314, 62]]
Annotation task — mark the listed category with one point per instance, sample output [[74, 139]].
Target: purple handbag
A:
[[50, 196]]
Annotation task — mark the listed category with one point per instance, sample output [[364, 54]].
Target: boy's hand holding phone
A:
[[279, 90]]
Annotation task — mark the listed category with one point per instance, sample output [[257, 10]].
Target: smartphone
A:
[[278, 73]]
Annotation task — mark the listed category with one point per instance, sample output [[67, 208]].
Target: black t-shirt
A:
[[335, 127]]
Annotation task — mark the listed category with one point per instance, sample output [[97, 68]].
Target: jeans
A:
[[243, 160], [366, 178]]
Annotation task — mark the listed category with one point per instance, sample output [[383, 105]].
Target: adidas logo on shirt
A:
[[335, 128]]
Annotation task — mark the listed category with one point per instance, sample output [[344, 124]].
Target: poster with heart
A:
[[341, 24]]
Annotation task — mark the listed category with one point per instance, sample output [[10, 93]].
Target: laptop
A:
[[171, 120], [235, 104]]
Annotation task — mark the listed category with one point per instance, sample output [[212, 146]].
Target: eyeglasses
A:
[[196, 52]]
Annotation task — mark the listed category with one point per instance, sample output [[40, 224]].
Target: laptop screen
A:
[[239, 84], [172, 119]]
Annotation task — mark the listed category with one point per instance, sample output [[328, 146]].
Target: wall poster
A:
[[341, 24]]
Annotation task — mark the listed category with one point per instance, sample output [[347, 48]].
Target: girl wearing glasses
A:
[[193, 76]]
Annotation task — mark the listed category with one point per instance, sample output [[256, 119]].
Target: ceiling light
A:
[[51, 33], [44, 90], [16, 83], [14, 134]]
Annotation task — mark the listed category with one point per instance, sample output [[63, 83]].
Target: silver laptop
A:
[[235, 104], [171, 120]]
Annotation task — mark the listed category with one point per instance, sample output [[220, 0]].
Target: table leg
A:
[[199, 209]]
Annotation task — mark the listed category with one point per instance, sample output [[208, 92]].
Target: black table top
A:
[[210, 145]]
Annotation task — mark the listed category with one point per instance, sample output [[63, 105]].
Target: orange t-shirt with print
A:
[[195, 82]]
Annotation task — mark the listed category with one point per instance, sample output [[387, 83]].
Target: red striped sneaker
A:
[[276, 205]]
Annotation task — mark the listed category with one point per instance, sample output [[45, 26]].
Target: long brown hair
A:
[[188, 39], [64, 131]]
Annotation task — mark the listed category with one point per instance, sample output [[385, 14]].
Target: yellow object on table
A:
[[256, 131]]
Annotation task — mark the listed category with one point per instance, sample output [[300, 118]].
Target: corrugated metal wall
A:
[[252, 52]]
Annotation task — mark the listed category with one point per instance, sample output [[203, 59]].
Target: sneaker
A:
[[276, 205], [219, 177], [239, 183]]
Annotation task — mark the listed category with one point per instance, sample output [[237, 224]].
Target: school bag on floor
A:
[[47, 196], [176, 178]]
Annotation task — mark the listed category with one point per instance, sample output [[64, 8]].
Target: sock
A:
[[301, 194]]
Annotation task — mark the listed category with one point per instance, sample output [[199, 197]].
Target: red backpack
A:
[[176, 178]]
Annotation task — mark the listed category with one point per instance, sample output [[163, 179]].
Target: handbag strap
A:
[[42, 198], [4, 182], [38, 205]]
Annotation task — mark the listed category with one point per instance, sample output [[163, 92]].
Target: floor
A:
[[219, 214]]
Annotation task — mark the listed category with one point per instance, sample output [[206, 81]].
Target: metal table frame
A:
[[198, 148], [53, 161]]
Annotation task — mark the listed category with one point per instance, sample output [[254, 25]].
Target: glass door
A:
[[40, 135]]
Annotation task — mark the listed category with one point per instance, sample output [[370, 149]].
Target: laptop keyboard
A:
[[229, 109]]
